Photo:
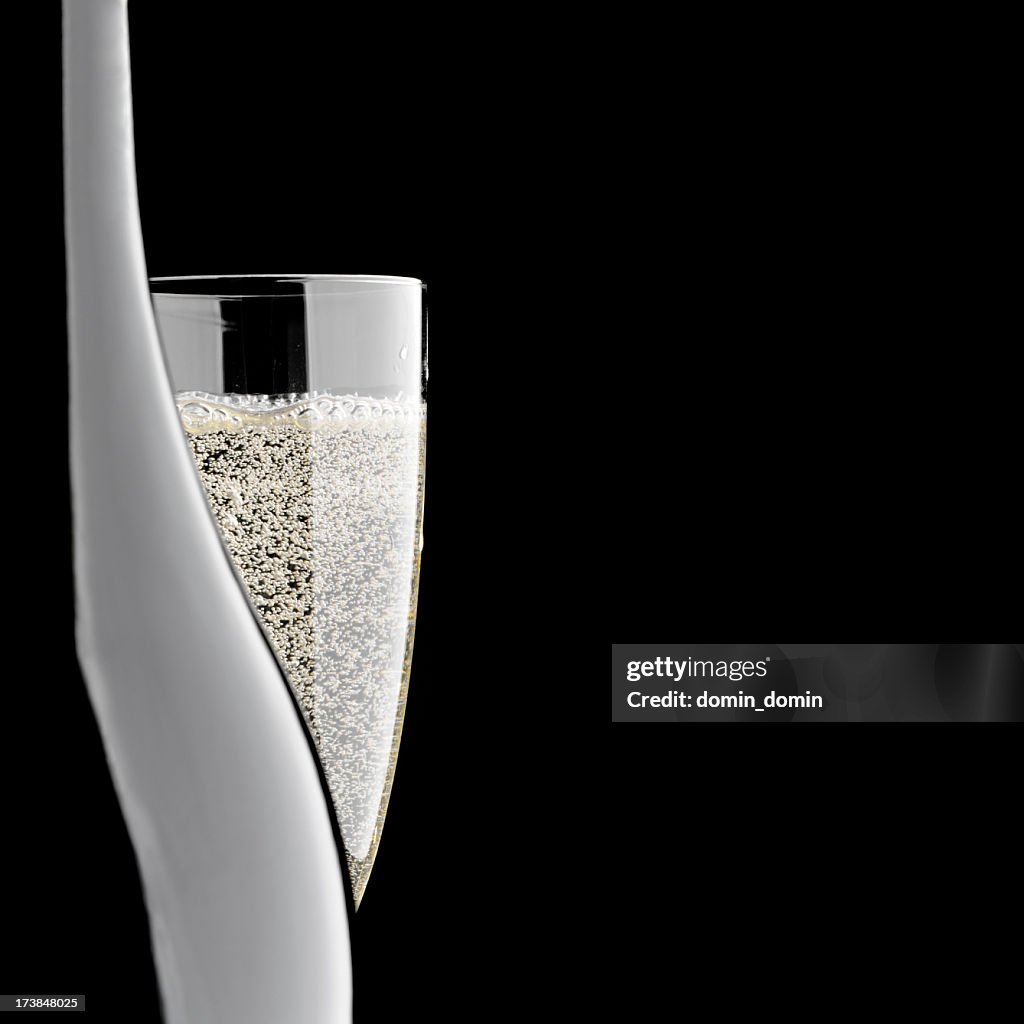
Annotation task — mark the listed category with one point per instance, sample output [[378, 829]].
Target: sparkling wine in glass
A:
[[302, 401]]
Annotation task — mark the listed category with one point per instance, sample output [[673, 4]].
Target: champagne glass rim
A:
[[291, 278]]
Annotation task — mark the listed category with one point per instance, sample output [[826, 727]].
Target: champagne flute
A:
[[302, 401]]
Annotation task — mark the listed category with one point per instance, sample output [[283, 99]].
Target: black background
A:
[[808, 415], [305, 142]]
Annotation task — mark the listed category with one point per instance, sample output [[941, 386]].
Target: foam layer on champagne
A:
[[319, 499]]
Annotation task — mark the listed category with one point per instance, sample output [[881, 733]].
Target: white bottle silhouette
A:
[[219, 786]]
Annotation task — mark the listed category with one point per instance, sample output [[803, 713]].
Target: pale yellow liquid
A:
[[319, 500]]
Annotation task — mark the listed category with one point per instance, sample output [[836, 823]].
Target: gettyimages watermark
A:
[[818, 683], [735, 671]]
